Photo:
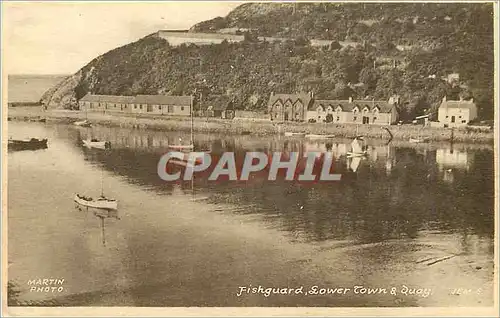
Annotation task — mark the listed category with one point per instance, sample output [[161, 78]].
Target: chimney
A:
[[461, 98], [444, 98], [350, 99], [272, 94], [311, 94], [472, 100]]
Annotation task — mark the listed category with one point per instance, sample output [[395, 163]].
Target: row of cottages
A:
[[303, 107], [151, 104], [456, 113]]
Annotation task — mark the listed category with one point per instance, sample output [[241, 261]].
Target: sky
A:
[[61, 37]]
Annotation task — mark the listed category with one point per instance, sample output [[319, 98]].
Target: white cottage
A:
[[456, 113]]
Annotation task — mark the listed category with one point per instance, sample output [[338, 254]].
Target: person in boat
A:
[[94, 140]]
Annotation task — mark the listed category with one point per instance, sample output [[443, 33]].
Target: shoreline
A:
[[249, 127]]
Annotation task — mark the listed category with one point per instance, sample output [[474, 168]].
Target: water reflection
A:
[[390, 211], [393, 193]]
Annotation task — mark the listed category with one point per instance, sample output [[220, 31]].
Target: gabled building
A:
[[455, 113], [289, 107], [354, 111]]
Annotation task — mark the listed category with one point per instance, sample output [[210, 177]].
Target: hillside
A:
[[439, 40]]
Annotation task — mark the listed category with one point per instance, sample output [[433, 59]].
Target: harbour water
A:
[[416, 216]]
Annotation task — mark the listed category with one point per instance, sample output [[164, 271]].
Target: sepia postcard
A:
[[213, 158]]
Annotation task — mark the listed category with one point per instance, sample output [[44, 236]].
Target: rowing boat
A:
[[294, 134], [83, 123], [94, 143], [313, 136], [99, 203], [27, 144]]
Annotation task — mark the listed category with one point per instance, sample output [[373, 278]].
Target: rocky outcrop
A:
[[61, 95]]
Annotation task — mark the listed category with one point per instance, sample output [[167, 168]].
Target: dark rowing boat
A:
[[27, 144]]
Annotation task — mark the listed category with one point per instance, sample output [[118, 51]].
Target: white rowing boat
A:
[[419, 140], [181, 147], [357, 151], [94, 143], [99, 203], [294, 134], [314, 136], [83, 123]]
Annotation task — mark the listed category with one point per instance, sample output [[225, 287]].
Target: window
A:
[[170, 109], [459, 116], [159, 107], [374, 118], [338, 118], [182, 108], [446, 116], [140, 106], [354, 118], [464, 121], [135, 106]]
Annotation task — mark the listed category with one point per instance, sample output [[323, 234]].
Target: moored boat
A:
[[419, 140], [83, 123], [181, 147], [315, 136], [27, 144], [99, 203], [94, 143], [357, 150], [294, 134]]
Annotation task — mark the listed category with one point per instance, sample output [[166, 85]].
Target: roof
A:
[[199, 35], [163, 100], [304, 98], [463, 104], [107, 98], [348, 106], [139, 99]]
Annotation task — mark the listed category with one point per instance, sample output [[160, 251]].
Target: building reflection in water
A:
[[451, 161], [393, 193]]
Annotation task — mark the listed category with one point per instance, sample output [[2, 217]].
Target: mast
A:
[[192, 124], [102, 183]]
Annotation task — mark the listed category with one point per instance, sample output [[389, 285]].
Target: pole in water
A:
[[192, 124], [102, 183], [103, 234]]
